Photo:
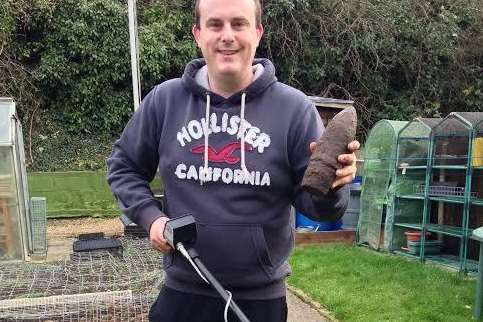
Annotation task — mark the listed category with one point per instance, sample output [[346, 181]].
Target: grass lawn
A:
[[356, 284], [76, 193]]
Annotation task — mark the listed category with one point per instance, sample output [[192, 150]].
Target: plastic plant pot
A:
[[415, 235]]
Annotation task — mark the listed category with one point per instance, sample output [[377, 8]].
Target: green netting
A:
[[419, 128], [399, 210], [379, 168]]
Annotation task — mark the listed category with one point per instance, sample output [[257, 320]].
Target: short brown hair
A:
[[258, 12]]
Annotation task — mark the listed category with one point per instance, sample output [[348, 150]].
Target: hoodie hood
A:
[[259, 85]]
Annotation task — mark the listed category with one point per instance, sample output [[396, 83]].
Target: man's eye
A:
[[214, 25], [239, 24]]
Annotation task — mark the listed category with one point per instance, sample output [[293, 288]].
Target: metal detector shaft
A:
[[217, 286]]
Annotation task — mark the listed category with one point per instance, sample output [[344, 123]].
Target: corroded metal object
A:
[[320, 173]]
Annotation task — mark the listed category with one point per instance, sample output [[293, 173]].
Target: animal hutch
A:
[[329, 107]]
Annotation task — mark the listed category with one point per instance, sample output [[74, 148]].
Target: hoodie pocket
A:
[[237, 254]]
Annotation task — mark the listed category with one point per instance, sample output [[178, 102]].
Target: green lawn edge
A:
[[360, 285]]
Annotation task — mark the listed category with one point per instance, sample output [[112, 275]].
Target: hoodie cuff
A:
[[334, 203], [147, 215]]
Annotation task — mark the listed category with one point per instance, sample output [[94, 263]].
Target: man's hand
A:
[[347, 173], [156, 235]]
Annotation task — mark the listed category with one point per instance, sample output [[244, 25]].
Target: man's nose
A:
[[227, 34]]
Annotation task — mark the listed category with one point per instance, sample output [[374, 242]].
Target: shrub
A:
[[84, 66], [396, 59], [56, 149], [68, 60]]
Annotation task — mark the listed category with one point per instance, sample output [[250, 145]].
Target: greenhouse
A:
[[14, 225], [378, 171]]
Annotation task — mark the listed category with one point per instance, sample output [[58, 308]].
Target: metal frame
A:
[[22, 189], [397, 198], [134, 52], [464, 234]]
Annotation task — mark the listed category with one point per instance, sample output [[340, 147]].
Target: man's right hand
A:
[[156, 235]]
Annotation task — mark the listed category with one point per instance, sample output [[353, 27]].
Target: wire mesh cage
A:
[[447, 190], [90, 286], [38, 208]]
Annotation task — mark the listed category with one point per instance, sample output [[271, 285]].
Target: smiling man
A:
[[228, 34], [231, 144]]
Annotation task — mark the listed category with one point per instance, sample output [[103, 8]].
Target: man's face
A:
[[228, 36]]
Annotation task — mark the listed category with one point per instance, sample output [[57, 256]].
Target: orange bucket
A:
[[415, 235]]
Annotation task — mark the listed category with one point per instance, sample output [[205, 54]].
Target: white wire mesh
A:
[[444, 191], [91, 286], [114, 306]]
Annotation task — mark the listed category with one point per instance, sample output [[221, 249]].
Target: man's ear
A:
[[259, 33], [196, 34]]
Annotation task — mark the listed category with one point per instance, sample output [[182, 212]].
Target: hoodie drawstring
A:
[[206, 125], [204, 174], [242, 139]]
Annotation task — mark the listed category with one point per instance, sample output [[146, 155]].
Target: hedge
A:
[[66, 62]]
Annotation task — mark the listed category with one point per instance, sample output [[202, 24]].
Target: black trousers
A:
[[175, 306]]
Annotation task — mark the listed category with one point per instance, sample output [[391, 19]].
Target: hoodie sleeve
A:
[[306, 129], [133, 163]]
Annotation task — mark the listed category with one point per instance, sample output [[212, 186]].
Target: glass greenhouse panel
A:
[[6, 111], [10, 234], [14, 219]]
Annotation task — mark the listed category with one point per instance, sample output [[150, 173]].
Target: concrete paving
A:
[[299, 311]]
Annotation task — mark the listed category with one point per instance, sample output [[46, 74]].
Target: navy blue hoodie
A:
[[237, 174]]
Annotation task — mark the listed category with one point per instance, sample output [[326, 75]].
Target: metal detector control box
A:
[[181, 229]]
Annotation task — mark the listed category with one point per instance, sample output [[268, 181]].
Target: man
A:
[[231, 144]]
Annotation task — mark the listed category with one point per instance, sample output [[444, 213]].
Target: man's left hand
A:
[[348, 171]]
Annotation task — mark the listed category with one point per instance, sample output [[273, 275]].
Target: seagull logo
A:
[[225, 154]]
